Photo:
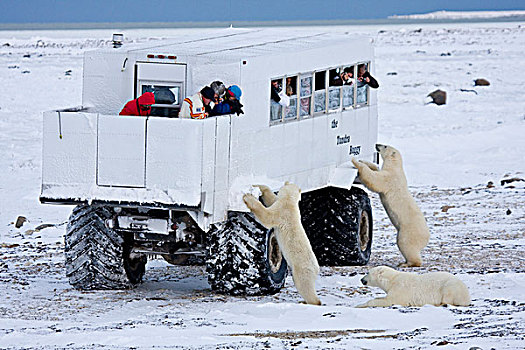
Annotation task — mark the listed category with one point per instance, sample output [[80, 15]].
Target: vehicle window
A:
[[348, 88], [164, 94], [362, 87], [325, 91], [276, 109], [334, 92], [291, 92], [306, 95], [320, 92], [167, 97]]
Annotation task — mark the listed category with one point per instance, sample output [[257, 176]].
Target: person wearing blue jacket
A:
[[231, 103]]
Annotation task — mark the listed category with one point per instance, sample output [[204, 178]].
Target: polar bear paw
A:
[[249, 200], [262, 188]]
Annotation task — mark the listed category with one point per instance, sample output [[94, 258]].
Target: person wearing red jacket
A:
[[140, 105]]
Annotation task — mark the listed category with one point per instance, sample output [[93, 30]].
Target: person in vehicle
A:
[[220, 90], [139, 106], [275, 91], [364, 77], [194, 107], [231, 103], [290, 91], [344, 77]]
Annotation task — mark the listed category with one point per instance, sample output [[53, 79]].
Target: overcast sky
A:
[[49, 11]]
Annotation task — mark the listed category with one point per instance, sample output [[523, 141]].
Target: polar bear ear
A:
[[286, 182]]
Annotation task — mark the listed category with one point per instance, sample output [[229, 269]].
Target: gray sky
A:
[[49, 11]]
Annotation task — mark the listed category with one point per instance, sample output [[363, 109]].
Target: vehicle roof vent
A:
[[117, 40]]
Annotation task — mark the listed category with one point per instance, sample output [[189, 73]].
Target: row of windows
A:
[[315, 93]]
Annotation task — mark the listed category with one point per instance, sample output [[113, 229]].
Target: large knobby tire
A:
[[338, 223], [98, 257], [243, 257]]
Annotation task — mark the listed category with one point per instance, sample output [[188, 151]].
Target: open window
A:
[[362, 87], [167, 97], [349, 87], [336, 80], [276, 110], [291, 91], [311, 94], [320, 92]]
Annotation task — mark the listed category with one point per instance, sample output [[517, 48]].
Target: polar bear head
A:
[[290, 191], [388, 153], [380, 276]]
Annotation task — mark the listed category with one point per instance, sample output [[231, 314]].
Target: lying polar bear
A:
[[409, 289], [391, 184], [283, 215]]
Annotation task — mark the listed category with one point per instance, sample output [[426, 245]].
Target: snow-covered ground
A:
[[451, 153], [463, 15]]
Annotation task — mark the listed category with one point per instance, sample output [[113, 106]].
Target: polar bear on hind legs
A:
[[391, 184], [282, 214], [410, 289]]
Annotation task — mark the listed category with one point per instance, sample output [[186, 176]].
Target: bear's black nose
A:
[[363, 281]]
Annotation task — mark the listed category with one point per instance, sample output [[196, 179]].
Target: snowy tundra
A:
[[465, 167]]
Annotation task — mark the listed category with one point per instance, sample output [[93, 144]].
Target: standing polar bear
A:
[[391, 184], [282, 214], [409, 289]]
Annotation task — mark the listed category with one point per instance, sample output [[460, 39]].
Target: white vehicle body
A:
[[91, 154]]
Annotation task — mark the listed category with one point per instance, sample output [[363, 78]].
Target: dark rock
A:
[[508, 181], [43, 226], [391, 73], [439, 97], [481, 82], [446, 54], [509, 211], [27, 55], [20, 221], [6, 44]]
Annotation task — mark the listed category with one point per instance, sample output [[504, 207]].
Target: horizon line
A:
[[265, 23]]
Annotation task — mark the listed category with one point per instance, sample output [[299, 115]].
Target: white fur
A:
[[391, 184], [282, 214], [410, 289]]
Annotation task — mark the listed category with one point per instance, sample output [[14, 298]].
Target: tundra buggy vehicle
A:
[[172, 187]]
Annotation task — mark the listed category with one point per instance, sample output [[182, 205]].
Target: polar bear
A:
[[410, 289], [282, 214], [391, 184]]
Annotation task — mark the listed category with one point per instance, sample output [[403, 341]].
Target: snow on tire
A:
[[243, 257], [338, 223], [97, 257]]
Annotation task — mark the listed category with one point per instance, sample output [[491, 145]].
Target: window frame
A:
[[180, 84], [311, 95], [327, 110], [356, 69]]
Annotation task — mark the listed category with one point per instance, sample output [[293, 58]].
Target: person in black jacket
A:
[[231, 103], [364, 77]]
